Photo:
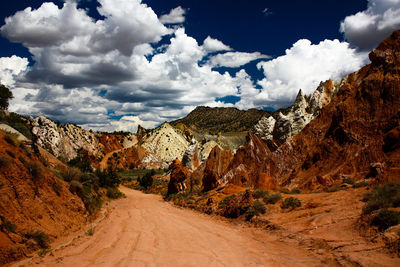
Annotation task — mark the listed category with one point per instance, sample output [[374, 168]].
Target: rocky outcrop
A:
[[238, 205], [206, 148], [10, 129], [165, 144], [191, 158], [215, 167], [357, 128], [179, 174], [65, 140], [248, 167], [284, 124], [32, 199]]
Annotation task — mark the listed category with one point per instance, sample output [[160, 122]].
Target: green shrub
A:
[[291, 203], [384, 196], [360, 184], [9, 226], [90, 179], [272, 199], [114, 193], [225, 201], [334, 188], [290, 192], [295, 191], [81, 161], [12, 139], [108, 178], [260, 193], [385, 219], [146, 181], [71, 173], [18, 123], [255, 209], [284, 191], [40, 237], [92, 201], [90, 231], [349, 181], [76, 187]]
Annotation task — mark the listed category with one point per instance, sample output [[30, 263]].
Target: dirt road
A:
[[143, 230]]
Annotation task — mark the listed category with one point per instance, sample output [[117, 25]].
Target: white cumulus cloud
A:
[[368, 28], [303, 66], [10, 67], [175, 16], [234, 59], [214, 45]]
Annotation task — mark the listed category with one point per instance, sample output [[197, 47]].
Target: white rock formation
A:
[[191, 155], [64, 140], [165, 143], [206, 148], [305, 109]]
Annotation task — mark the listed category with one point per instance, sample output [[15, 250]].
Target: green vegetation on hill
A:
[[17, 122], [216, 120]]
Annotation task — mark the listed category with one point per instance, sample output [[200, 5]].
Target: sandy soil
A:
[[143, 230]]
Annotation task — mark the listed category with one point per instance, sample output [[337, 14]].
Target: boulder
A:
[[215, 167], [179, 174]]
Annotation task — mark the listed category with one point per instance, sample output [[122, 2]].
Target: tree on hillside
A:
[[5, 96]]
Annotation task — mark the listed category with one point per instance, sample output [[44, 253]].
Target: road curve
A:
[[143, 230]]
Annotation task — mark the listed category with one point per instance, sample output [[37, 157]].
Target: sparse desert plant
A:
[[9, 226], [76, 187], [40, 238], [290, 192], [385, 219], [272, 198], [384, 196], [108, 178], [91, 199], [57, 187], [291, 203], [114, 193], [360, 184], [146, 181], [225, 201], [12, 139], [4, 161], [35, 170], [90, 231], [260, 193], [334, 188], [295, 191], [90, 179], [349, 180], [71, 173], [255, 209]]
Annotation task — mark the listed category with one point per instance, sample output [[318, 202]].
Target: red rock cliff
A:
[[358, 128]]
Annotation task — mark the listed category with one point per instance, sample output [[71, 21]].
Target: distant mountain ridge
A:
[[221, 120]]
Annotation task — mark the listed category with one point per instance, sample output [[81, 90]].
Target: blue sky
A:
[[113, 64]]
